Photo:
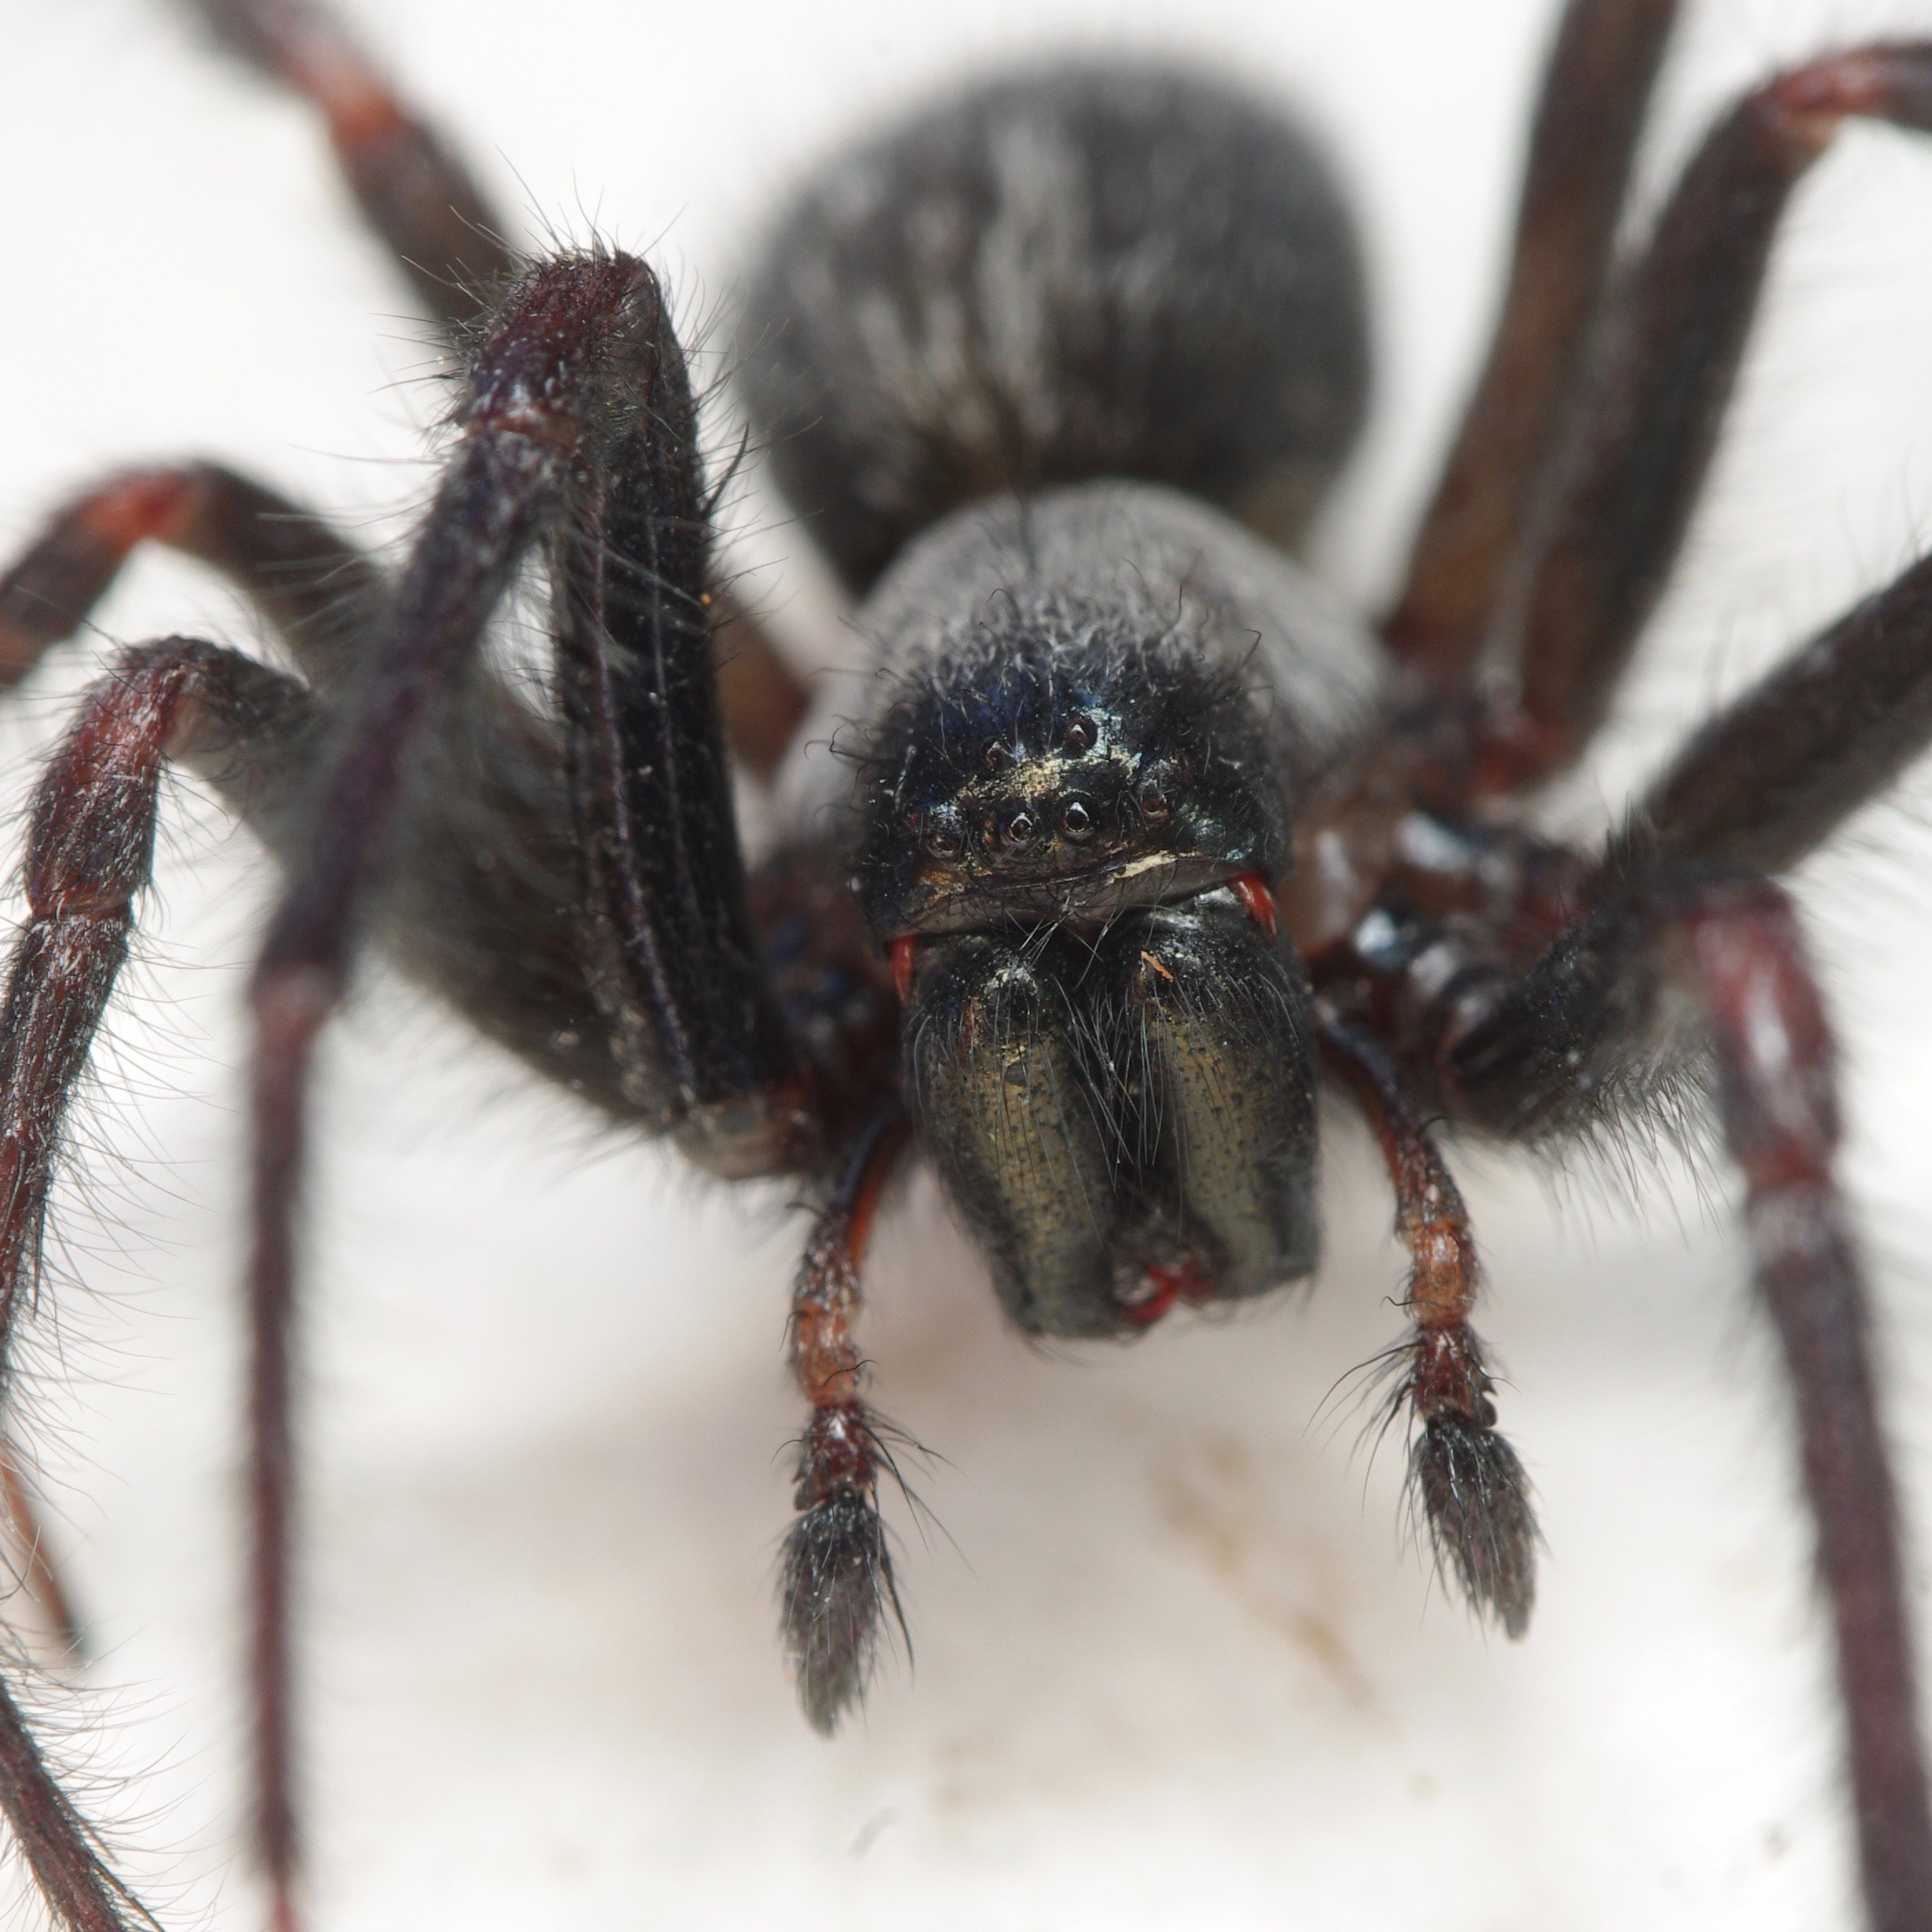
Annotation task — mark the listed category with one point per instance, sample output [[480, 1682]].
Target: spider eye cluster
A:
[[1064, 784], [1075, 788], [1157, 789], [1055, 771]]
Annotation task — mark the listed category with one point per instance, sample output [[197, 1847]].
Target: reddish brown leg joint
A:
[[413, 192], [1258, 901], [763, 703], [904, 955], [48, 592], [1474, 1496], [837, 1574]]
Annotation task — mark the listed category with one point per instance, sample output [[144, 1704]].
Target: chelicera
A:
[[1140, 838]]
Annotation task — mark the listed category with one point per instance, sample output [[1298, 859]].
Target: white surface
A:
[[1176, 1665]]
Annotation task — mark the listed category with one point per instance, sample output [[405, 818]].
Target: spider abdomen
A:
[[1104, 269]]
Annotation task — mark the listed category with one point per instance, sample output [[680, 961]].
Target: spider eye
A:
[[1156, 794], [1021, 828], [1080, 734], [943, 839], [1078, 820], [997, 755]]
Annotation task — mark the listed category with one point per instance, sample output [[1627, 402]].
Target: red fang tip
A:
[[1257, 902], [905, 950], [1180, 1280]]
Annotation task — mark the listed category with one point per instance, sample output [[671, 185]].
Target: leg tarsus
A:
[[835, 1590], [1474, 1494], [836, 1585], [1475, 1499]]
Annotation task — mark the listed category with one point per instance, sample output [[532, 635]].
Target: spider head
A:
[[1050, 779]]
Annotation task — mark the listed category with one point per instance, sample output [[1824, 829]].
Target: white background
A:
[[1177, 1664]]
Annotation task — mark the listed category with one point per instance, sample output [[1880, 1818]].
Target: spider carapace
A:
[[1138, 837]]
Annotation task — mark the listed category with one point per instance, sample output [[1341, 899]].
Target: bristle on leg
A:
[[1466, 1477], [835, 1591], [836, 1583], [1476, 1499]]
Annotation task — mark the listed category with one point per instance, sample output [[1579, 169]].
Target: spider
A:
[[1165, 1272]]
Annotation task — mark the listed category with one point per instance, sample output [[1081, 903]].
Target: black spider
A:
[[1140, 827]]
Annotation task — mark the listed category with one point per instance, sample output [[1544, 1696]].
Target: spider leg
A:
[[1471, 1486], [412, 191], [477, 893], [763, 703], [1545, 1059], [1776, 773], [42, 1580], [1630, 479], [84, 1895], [456, 254], [575, 430], [838, 1574], [90, 848], [674, 960], [318, 592], [1588, 116]]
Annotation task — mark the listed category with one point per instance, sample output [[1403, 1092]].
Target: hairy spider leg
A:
[[89, 852], [576, 429], [1730, 942], [60, 1849], [1474, 1496], [1778, 771], [317, 591], [836, 1583], [302, 579], [1590, 115], [675, 959], [483, 867], [1669, 356], [457, 254], [412, 191], [41, 1579]]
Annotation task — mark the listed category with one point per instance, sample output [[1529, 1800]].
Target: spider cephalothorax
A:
[[1097, 698], [1137, 838]]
